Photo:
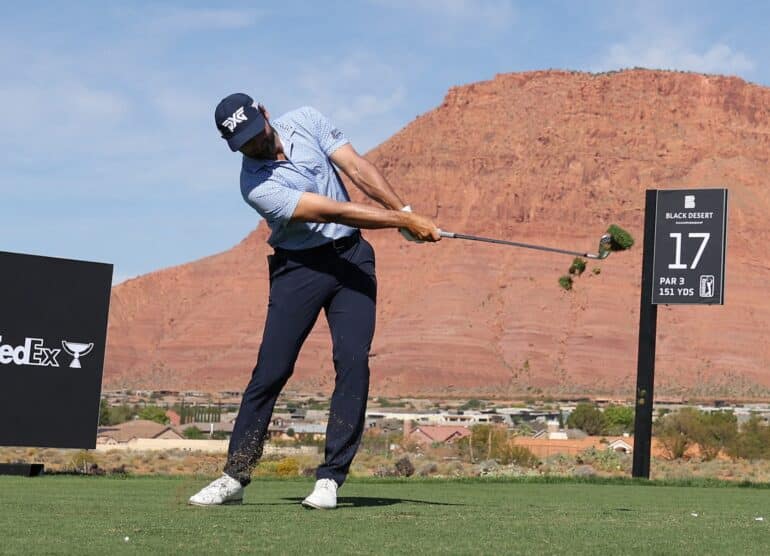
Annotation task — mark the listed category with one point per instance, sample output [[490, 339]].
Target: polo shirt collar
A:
[[284, 130]]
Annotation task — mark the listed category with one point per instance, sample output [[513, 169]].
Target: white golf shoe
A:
[[324, 495], [225, 490]]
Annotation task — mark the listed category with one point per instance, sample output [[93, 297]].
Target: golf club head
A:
[[605, 246]]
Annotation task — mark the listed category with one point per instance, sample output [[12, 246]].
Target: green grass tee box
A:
[[89, 515]]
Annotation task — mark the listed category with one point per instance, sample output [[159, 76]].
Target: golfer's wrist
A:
[[405, 218]]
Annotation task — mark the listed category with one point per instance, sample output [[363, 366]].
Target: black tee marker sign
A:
[[689, 260], [683, 262]]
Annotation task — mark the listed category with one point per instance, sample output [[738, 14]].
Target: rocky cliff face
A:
[[545, 157]]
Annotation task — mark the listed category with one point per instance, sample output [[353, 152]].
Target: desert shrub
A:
[[718, 430], [678, 431], [521, 456], [404, 467], [193, 433], [566, 282], [428, 469], [82, 461], [603, 459], [484, 442], [287, 467], [752, 442], [578, 266]]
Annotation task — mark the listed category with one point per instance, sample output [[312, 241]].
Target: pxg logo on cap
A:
[[238, 120]]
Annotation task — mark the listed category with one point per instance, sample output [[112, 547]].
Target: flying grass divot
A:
[[619, 240]]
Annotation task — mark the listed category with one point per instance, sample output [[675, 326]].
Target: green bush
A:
[[578, 266], [752, 442], [154, 413], [621, 239], [566, 282], [678, 431], [718, 430], [485, 442], [472, 404], [588, 418], [114, 415], [619, 419], [193, 433]]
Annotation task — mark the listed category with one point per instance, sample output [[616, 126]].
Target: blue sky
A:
[[108, 150]]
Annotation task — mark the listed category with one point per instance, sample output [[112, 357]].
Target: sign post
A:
[[683, 263]]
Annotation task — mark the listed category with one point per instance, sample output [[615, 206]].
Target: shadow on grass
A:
[[367, 502]]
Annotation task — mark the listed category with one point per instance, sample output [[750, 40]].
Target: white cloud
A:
[[179, 19], [353, 90], [657, 37], [672, 54], [39, 117], [465, 15]]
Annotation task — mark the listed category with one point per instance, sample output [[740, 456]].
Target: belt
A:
[[335, 245]]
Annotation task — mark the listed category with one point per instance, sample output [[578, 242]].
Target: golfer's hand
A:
[[421, 228]]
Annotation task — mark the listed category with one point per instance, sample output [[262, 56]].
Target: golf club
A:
[[604, 245]]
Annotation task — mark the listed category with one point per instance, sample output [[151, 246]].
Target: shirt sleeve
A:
[[274, 202], [329, 137]]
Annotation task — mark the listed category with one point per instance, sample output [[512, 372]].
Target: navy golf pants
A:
[[341, 281]]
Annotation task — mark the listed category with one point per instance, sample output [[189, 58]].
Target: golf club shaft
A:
[[517, 244]]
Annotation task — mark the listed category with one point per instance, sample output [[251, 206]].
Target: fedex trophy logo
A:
[[237, 117], [33, 352]]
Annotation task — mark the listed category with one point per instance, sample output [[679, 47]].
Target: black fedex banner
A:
[[53, 329], [689, 260]]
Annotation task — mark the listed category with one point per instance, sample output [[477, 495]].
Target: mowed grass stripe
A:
[[69, 515]]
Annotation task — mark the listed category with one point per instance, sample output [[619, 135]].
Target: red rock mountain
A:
[[546, 157]]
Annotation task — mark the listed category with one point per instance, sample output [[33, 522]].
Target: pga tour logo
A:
[[33, 352]]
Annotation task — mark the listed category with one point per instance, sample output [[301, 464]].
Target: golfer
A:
[[320, 261]]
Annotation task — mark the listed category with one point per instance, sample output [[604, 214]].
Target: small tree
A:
[[116, 415], [473, 403], [678, 431], [485, 442], [104, 413], [753, 441], [588, 418], [193, 433], [717, 431], [619, 419], [154, 413]]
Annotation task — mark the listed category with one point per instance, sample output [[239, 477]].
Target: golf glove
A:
[[406, 233]]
